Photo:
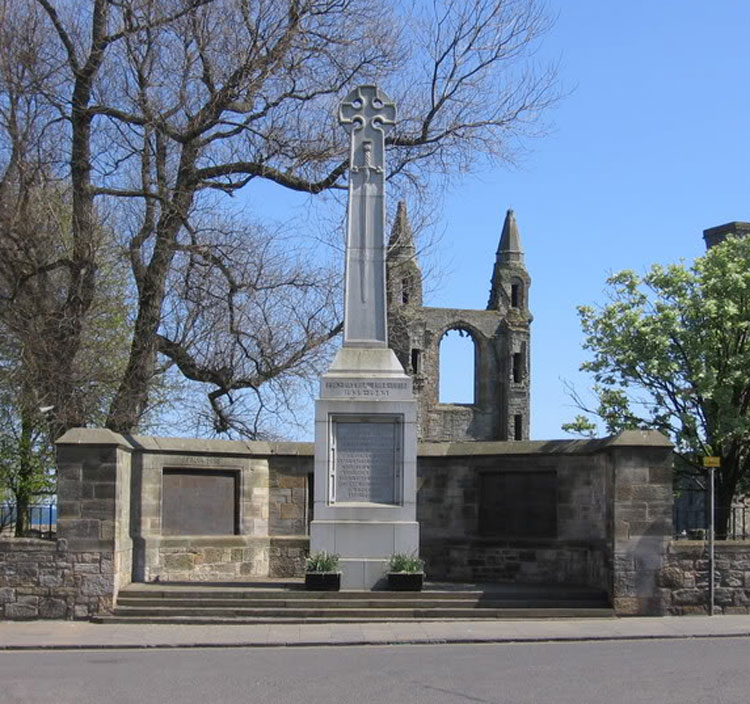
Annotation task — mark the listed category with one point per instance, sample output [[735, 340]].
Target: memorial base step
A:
[[223, 604]]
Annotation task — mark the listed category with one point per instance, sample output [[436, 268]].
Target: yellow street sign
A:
[[711, 461]]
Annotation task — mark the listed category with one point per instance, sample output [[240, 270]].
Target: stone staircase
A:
[[289, 603]]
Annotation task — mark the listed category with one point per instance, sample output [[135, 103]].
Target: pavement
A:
[[81, 635]]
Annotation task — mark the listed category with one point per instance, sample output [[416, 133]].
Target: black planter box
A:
[[405, 581], [323, 581]]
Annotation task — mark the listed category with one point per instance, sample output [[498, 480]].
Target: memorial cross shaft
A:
[[367, 114]]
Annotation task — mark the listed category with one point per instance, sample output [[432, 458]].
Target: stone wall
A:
[[498, 397], [111, 498], [235, 558], [613, 515], [289, 484], [609, 524], [93, 500], [450, 500], [642, 521], [43, 579], [683, 580], [466, 560]]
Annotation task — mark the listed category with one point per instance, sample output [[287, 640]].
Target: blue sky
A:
[[650, 147]]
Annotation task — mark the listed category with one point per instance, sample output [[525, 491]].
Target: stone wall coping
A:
[[638, 438], [27, 544], [676, 546], [220, 447], [93, 436], [219, 541], [625, 438], [146, 443], [519, 543]]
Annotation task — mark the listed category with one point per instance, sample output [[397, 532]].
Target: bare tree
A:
[[250, 313], [163, 108]]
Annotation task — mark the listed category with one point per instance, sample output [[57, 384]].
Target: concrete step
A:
[[360, 603], [362, 616], [291, 603], [512, 592], [299, 595], [306, 613]]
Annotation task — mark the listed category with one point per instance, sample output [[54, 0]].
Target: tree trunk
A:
[[724, 492], [23, 489], [132, 395], [131, 400]]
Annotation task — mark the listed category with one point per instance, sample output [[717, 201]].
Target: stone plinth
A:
[[365, 465]]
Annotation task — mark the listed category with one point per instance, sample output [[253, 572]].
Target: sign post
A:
[[711, 463]]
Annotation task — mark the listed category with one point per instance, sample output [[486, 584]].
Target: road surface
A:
[[690, 671]]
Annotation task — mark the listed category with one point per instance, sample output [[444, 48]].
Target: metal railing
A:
[[693, 523], [40, 518]]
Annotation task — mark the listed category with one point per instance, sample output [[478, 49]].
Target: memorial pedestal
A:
[[365, 465]]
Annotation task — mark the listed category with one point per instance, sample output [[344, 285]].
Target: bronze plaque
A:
[[518, 504], [199, 502]]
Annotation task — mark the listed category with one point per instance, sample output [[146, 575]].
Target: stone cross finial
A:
[[366, 114]]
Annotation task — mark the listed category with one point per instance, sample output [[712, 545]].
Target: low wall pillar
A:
[[93, 515], [642, 500]]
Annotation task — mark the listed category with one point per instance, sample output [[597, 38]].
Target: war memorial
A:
[[392, 470]]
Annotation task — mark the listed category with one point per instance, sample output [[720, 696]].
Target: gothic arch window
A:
[[458, 355]]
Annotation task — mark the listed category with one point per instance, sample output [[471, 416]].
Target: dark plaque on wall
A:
[[199, 502], [367, 459], [518, 504]]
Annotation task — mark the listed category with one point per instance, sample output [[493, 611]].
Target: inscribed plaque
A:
[[518, 504], [367, 460], [199, 502]]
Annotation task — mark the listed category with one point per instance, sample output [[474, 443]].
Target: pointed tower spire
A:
[[403, 275], [509, 250], [510, 280], [401, 241]]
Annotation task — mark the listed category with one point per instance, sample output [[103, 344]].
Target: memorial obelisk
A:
[[365, 418]]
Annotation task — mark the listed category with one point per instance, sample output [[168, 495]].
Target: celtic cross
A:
[[366, 114]]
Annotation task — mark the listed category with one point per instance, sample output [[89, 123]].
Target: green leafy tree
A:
[[671, 352], [27, 463], [31, 305]]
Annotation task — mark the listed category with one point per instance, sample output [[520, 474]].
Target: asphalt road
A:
[[704, 671]]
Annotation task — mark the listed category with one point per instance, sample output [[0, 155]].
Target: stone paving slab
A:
[[70, 635]]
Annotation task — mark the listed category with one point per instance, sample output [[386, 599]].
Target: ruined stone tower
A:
[[500, 334]]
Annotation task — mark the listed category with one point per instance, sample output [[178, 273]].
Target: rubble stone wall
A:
[[43, 579], [683, 581]]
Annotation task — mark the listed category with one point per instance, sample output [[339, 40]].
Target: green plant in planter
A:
[[321, 572], [402, 562], [322, 561], [405, 573]]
